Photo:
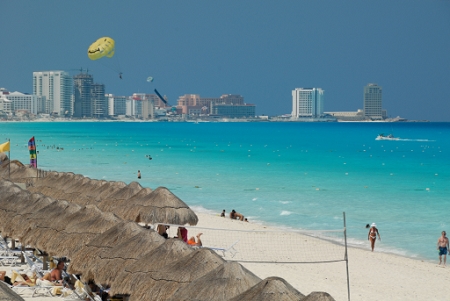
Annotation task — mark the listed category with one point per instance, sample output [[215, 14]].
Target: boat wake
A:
[[417, 140]]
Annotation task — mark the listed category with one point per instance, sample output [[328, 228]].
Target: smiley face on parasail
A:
[[100, 48]]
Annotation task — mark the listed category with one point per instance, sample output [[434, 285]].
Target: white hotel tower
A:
[[57, 87], [307, 102]]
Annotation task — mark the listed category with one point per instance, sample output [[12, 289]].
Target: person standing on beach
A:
[[442, 246], [139, 174], [372, 236]]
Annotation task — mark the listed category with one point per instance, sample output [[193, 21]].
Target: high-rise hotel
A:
[[373, 97], [307, 102], [55, 88]]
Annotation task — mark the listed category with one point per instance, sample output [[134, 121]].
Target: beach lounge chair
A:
[[16, 276], [34, 288], [83, 291], [33, 266], [224, 251], [9, 260], [20, 288]]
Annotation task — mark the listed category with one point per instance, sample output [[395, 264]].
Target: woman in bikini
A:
[[372, 236]]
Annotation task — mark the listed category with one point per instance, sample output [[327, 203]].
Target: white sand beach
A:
[[373, 275]]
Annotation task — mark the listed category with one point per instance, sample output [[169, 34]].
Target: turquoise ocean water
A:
[[299, 175]]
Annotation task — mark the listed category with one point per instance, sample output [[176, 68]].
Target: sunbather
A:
[[56, 273], [192, 241], [5, 278], [24, 280], [54, 277]]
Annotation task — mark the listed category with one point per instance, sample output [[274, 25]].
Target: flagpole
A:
[[9, 157], [35, 146]]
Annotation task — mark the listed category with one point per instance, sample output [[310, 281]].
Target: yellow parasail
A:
[[100, 48]]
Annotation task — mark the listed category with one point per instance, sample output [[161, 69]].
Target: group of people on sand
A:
[[182, 233], [235, 215]]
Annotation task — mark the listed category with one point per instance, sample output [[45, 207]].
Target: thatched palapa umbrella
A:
[[48, 223], [161, 206], [71, 190], [114, 260], [153, 261], [83, 260], [318, 296], [18, 206], [161, 285], [42, 217], [120, 196], [81, 228], [271, 288], [221, 284], [88, 191], [119, 207], [53, 185], [112, 188]]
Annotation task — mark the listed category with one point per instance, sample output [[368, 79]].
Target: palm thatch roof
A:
[[21, 173], [59, 185], [171, 250], [19, 206], [120, 197], [47, 223], [7, 294], [112, 261], [85, 257], [3, 158], [71, 191], [318, 296], [112, 188], [9, 166], [223, 283], [88, 190], [271, 288], [112, 204], [162, 284], [81, 228], [160, 206], [50, 213]]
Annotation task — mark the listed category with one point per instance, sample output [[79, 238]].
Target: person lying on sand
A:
[[193, 243]]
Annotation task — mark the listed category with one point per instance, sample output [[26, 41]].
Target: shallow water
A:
[[299, 175]]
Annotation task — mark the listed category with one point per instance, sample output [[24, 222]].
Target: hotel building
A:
[[56, 87], [89, 98], [307, 102], [227, 105], [373, 97]]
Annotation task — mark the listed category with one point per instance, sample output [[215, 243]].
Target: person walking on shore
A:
[[372, 236], [442, 246]]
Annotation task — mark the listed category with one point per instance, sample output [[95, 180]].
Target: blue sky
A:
[[259, 49]]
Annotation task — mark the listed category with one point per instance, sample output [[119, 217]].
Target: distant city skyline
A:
[[80, 97], [261, 50]]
